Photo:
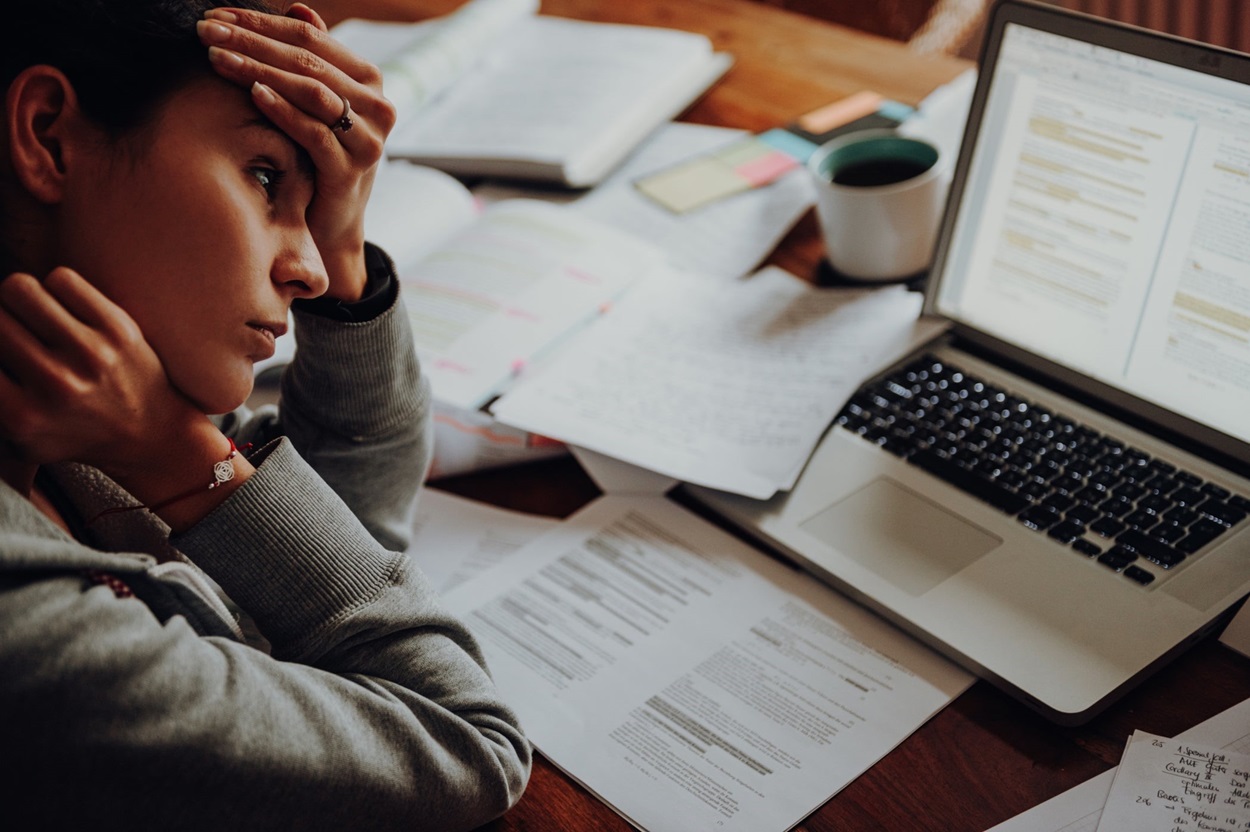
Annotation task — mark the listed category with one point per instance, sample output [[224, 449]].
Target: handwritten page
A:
[[689, 680], [456, 539], [1079, 808], [1179, 786], [507, 288], [722, 384], [730, 237]]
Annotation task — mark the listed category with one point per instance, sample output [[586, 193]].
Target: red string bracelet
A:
[[223, 472]]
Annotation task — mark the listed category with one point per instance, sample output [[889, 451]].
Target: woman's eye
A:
[[269, 179]]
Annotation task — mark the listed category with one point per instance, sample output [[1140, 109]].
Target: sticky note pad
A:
[[741, 166], [826, 118]]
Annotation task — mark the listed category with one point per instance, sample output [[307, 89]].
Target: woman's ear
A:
[[41, 111]]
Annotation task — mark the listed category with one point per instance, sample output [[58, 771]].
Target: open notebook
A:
[[1055, 493], [495, 89]]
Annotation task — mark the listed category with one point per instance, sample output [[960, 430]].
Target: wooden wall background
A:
[[953, 25]]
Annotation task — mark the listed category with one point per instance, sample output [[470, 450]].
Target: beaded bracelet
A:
[[223, 472]]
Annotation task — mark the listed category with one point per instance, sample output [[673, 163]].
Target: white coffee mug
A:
[[879, 199]]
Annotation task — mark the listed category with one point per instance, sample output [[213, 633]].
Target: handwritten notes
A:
[[728, 385], [1178, 786]]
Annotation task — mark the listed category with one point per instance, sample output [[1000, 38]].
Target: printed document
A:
[[455, 539], [689, 680], [723, 384]]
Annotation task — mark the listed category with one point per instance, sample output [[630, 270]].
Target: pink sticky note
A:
[[765, 169]]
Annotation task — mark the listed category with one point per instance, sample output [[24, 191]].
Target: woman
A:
[[175, 179]]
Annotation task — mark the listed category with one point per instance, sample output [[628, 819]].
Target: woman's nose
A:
[[299, 267]]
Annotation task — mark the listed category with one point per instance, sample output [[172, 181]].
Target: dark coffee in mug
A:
[[872, 172]]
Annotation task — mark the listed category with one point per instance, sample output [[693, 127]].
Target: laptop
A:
[[1054, 494]]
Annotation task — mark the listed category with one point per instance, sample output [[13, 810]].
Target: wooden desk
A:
[[985, 758]]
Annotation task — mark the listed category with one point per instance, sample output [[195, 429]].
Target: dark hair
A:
[[124, 57]]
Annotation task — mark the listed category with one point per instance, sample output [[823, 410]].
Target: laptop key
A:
[[1180, 515], [1116, 506], [1107, 527], [1188, 496], [1215, 490], [1151, 549], [1083, 513], [1154, 503], [1039, 517], [1117, 558], [1222, 511], [1067, 531], [1168, 532], [1086, 547], [1141, 519], [1200, 534], [1136, 573]]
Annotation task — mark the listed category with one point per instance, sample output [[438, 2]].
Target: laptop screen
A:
[[1104, 223]]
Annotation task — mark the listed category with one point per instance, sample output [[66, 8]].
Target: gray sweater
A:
[[130, 697]]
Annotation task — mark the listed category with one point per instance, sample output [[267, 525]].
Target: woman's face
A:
[[198, 231]]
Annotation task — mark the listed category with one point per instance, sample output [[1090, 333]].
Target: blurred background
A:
[[954, 26]]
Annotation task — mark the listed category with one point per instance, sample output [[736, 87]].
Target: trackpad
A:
[[911, 542]]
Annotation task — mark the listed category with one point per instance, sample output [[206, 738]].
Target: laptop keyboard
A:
[[1135, 514]]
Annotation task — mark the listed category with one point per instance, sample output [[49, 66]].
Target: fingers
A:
[[54, 323], [303, 31], [306, 74], [27, 301], [89, 305], [313, 134], [23, 356]]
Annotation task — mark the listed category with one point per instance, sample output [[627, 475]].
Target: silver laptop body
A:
[[1094, 261]]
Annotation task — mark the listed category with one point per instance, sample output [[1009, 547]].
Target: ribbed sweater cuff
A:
[[374, 359], [289, 552]]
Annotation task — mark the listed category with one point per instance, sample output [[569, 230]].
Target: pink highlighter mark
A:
[[578, 274], [768, 167], [448, 364], [523, 314]]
